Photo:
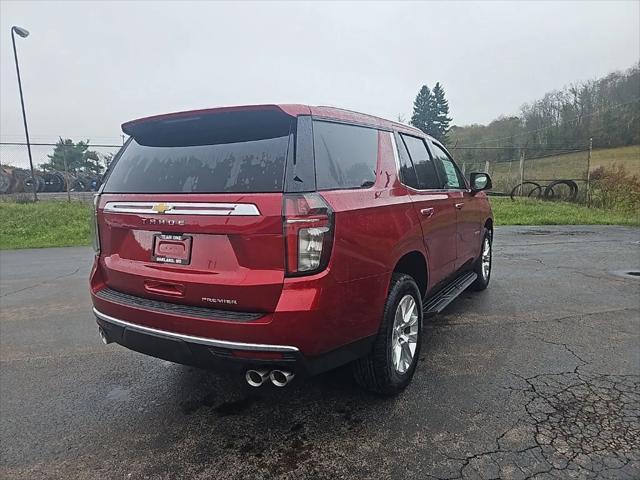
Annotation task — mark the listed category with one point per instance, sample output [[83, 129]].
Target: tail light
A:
[[95, 234], [308, 233]]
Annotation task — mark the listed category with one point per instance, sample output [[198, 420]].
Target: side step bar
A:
[[444, 297]]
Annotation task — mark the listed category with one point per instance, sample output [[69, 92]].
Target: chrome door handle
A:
[[426, 212], [459, 205]]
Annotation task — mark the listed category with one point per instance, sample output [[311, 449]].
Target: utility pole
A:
[[588, 188], [24, 34], [521, 170], [66, 171]]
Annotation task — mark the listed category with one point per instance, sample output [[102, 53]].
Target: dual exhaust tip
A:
[[280, 378], [255, 378]]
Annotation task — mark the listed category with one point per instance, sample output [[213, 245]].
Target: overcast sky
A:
[[87, 67]]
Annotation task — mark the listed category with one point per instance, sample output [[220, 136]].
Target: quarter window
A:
[[346, 155], [452, 177], [425, 170], [407, 172]]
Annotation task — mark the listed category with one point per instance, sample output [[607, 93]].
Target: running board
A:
[[444, 297]]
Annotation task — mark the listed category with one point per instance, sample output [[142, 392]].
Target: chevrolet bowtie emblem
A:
[[161, 208]]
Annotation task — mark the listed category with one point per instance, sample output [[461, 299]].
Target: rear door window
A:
[[452, 177], [427, 177], [346, 156], [221, 157]]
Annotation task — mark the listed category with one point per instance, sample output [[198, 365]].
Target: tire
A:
[[536, 192], [482, 282], [378, 372], [519, 193], [573, 190]]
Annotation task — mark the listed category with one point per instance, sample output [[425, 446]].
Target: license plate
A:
[[172, 249]]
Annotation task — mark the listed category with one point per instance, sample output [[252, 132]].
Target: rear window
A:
[[228, 154], [346, 155]]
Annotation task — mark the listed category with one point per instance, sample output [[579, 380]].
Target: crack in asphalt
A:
[[568, 349], [65, 275], [604, 276], [554, 243], [586, 424], [442, 320], [577, 425]]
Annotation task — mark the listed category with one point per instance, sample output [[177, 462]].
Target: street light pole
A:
[[24, 33]]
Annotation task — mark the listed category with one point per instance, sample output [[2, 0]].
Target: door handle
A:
[[426, 212], [459, 205]]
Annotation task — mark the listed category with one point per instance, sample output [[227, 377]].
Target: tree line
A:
[[606, 110]]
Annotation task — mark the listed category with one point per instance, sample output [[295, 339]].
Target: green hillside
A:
[[566, 166]]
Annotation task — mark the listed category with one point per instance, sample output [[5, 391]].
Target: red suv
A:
[[284, 239]]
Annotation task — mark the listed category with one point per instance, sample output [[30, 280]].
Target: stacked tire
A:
[[36, 179], [6, 180], [17, 180], [548, 192], [54, 182]]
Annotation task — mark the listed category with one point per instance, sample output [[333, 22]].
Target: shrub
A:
[[615, 189]]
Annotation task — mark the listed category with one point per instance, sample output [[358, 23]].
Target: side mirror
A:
[[480, 181]]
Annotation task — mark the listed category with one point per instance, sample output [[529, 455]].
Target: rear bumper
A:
[[222, 354], [317, 324], [314, 314]]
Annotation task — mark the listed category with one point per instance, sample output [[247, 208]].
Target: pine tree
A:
[[424, 110], [442, 120], [76, 157]]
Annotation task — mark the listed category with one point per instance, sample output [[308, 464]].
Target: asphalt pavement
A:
[[537, 377]]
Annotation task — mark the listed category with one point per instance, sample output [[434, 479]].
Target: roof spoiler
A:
[[211, 126]]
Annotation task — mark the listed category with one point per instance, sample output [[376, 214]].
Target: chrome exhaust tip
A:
[[103, 336], [280, 378], [256, 378]]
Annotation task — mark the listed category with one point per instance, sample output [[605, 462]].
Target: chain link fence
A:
[[61, 170], [516, 171], [552, 173]]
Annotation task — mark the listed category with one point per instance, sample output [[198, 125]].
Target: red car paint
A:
[[238, 263]]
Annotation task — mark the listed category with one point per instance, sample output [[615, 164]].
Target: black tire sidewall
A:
[[405, 286]]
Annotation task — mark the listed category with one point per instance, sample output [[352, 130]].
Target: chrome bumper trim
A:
[[199, 340]]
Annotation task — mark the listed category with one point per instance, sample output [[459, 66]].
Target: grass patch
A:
[[62, 224], [574, 165], [628, 157], [539, 212], [44, 224]]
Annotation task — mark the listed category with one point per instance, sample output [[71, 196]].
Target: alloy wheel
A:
[[486, 258], [404, 339]]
